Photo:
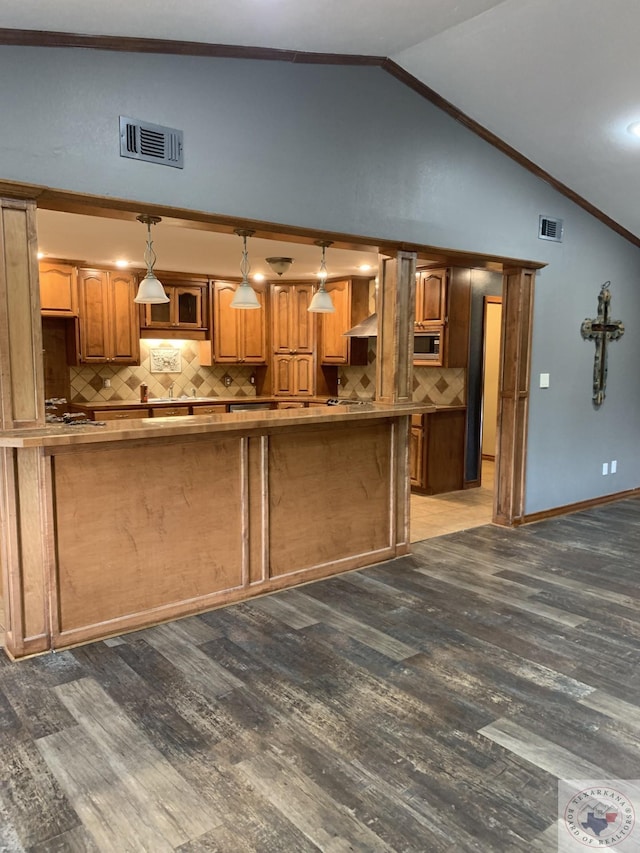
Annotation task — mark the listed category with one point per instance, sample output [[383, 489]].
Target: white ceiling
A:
[[93, 240], [558, 81]]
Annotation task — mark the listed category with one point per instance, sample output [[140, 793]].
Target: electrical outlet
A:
[[252, 379], [106, 383], [227, 380], [605, 468], [614, 466]]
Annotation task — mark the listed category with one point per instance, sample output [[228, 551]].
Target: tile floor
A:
[[453, 511]]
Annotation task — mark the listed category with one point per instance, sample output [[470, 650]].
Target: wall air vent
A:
[[550, 229], [142, 140]]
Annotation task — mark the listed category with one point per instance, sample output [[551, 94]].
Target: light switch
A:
[[544, 380]]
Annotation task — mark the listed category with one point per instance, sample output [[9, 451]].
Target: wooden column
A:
[[394, 370], [21, 366], [25, 475], [513, 395], [396, 310]]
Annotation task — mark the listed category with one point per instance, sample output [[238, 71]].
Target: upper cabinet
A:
[[293, 327], [431, 297], [239, 336], [109, 330], [58, 290], [443, 312], [184, 315], [351, 302]]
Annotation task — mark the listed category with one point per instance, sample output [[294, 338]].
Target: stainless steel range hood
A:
[[368, 328]]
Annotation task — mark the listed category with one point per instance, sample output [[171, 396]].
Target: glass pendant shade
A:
[[151, 291], [321, 302], [245, 296]]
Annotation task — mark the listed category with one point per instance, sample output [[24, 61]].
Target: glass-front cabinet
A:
[[185, 310]]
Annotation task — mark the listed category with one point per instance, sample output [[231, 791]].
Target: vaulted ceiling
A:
[[557, 81]]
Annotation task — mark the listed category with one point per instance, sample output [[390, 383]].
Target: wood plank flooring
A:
[[425, 705]]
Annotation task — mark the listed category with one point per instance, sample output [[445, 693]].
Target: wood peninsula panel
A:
[[330, 495], [27, 550], [172, 534]]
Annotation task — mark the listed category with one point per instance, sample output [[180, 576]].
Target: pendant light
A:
[[150, 291], [321, 302], [245, 295]]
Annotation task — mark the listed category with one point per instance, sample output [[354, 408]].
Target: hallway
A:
[[438, 515]]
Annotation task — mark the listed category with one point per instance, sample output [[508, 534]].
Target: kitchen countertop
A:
[[96, 405], [59, 435]]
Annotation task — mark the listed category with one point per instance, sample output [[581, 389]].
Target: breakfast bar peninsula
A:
[[115, 527], [128, 524]]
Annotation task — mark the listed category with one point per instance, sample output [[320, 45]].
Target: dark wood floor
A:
[[429, 704]]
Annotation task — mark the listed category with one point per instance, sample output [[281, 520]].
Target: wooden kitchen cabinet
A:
[[293, 375], [436, 451], [443, 308], [293, 339], [109, 330], [169, 411], [431, 297], [119, 414], [351, 302], [58, 290], [239, 336], [293, 327], [184, 315], [214, 409], [416, 467]]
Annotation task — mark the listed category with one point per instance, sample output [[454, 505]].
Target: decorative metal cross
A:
[[601, 330]]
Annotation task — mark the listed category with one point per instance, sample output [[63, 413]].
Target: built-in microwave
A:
[[427, 346]]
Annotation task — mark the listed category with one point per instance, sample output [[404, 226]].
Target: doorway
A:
[[472, 506], [490, 376]]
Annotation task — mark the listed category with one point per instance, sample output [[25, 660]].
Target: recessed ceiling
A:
[[94, 240], [557, 81]]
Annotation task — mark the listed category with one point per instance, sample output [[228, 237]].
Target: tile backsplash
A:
[[87, 382], [442, 386], [439, 385]]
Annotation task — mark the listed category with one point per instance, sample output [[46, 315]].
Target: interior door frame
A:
[[513, 395]]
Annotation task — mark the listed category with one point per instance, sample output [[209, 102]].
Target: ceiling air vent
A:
[[142, 140], [550, 229]]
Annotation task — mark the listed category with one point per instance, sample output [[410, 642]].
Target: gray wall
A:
[[348, 149]]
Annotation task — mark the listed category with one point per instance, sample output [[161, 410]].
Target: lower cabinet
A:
[[293, 375], [118, 414], [436, 455], [169, 411], [215, 409]]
